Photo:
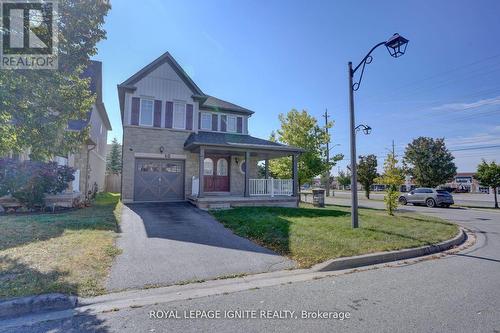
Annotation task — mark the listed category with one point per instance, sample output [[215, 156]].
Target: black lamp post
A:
[[396, 45]]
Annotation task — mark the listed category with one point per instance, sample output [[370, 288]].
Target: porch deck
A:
[[229, 201]]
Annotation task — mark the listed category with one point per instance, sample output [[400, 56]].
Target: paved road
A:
[[458, 293], [463, 199], [169, 243]]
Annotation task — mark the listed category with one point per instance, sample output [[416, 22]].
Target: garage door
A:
[[158, 180]]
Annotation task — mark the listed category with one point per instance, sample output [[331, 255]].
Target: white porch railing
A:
[[195, 187], [270, 187]]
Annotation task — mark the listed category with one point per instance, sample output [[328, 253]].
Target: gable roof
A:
[[93, 71], [214, 103], [206, 101]]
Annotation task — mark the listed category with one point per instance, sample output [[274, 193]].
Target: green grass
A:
[[312, 235], [69, 252]]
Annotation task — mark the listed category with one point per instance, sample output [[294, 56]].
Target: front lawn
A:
[[312, 235], [69, 252]]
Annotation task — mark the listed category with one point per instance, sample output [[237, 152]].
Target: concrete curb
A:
[[383, 257], [16, 307], [66, 306]]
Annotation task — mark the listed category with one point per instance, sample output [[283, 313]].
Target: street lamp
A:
[[396, 45], [366, 129]]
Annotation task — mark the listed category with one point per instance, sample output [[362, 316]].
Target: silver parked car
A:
[[427, 196]]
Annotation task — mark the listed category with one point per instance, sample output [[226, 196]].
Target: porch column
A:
[[247, 171], [295, 172], [200, 173], [266, 168]]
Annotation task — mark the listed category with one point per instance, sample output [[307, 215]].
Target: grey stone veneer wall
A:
[[149, 140]]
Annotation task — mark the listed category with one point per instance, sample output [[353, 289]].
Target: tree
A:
[[429, 162], [299, 129], [367, 172], [393, 178], [344, 178], [489, 175], [324, 180], [114, 158], [36, 105]]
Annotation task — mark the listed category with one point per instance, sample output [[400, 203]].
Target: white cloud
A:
[[466, 106]]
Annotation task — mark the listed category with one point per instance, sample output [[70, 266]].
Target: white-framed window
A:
[[179, 120], [231, 124], [222, 167], [146, 112], [206, 121], [208, 167]]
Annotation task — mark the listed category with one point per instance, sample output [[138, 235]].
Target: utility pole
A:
[[327, 185], [393, 150]]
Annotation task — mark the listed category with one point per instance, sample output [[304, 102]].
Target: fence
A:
[[112, 183]]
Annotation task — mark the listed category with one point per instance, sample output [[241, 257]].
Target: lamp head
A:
[[396, 45], [367, 130]]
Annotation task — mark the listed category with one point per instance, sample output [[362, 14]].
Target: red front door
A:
[[216, 174]]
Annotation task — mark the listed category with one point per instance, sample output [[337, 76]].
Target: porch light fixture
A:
[[366, 129], [162, 149], [396, 45]]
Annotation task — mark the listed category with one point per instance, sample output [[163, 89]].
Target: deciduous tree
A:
[[429, 162], [300, 129], [392, 177], [489, 175], [35, 105], [344, 178], [367, 172]]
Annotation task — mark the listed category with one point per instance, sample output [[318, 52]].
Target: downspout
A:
[[87, 166]]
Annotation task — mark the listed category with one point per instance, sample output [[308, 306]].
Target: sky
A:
[[273, 56]]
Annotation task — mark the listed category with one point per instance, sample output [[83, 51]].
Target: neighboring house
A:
[[90, 160], [182, 144]]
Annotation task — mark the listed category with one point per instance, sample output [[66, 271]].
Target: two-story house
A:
[[182, 144]]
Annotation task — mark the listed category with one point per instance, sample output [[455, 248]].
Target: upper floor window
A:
[[146, 113], [231, 123], [179, 120], [206, 121]]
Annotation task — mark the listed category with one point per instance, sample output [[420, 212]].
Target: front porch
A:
[[228, 172], [228, 201]]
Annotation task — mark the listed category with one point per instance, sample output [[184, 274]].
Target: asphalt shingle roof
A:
[[215, 103], [228, 139]]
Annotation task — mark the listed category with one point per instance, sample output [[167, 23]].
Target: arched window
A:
[[208, 167], [222, 167]]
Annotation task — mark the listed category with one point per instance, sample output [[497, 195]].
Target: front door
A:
[[216, 174]]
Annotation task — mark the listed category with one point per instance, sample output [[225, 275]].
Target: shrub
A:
[[29, 181]]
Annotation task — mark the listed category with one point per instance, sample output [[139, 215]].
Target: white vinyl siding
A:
[[206, 121], [179, 121], [146, 112]]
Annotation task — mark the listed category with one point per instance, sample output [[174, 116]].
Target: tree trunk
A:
[[495, 189]]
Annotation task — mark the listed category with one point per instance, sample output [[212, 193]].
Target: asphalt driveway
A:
[[170, 243]]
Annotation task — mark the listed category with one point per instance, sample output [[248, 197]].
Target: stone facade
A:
[[145, 142], [237, 178]]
